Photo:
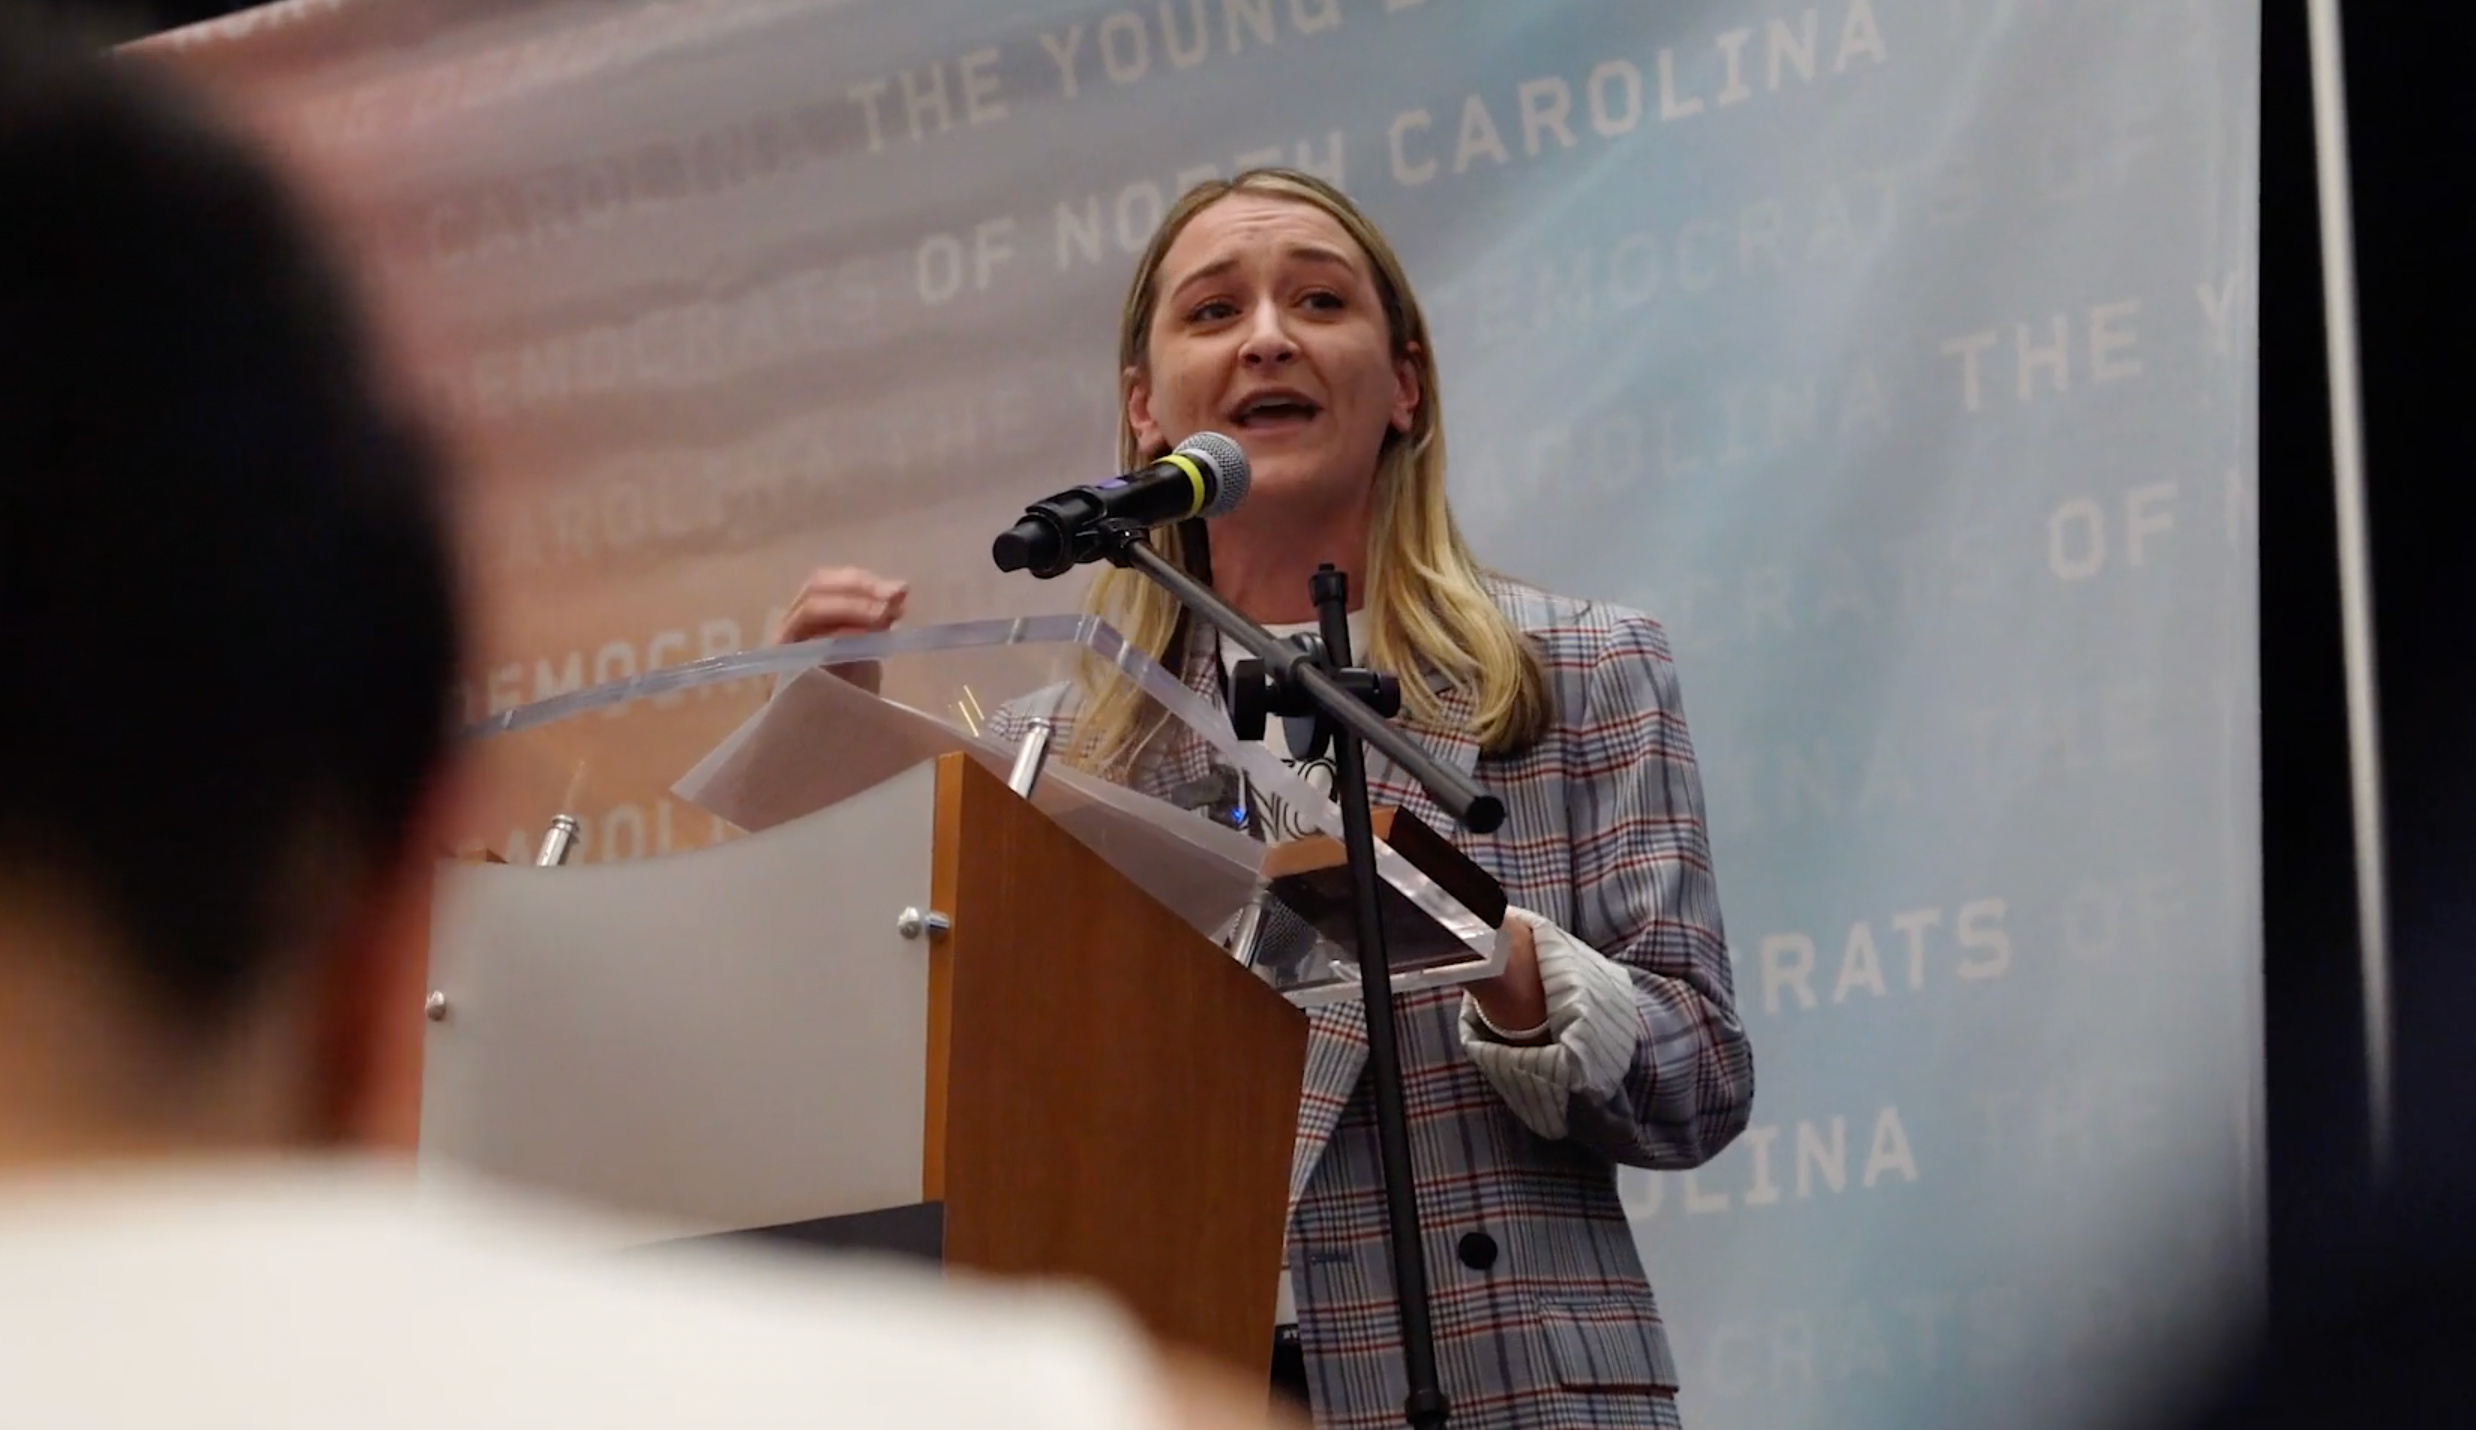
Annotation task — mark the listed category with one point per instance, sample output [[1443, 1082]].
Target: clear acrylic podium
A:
[[866, 970]]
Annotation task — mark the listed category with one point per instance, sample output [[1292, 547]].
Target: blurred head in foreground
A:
[[227, 620], [228, 631]]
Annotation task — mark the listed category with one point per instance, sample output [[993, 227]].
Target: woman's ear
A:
[[1406, 388], [1138, 388]]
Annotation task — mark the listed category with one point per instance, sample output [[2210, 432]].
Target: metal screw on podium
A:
[[1029, 757], [911, 923], [558, 842], [436, 1007]]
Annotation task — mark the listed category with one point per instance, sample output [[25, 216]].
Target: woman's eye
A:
[[1326, 301], [1212, 312]]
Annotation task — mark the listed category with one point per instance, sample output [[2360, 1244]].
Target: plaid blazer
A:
[[1543, 1316]]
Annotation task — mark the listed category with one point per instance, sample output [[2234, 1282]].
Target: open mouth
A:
[[1272, 410]]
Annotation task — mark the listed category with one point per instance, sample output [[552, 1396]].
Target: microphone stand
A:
[[1316, 677]]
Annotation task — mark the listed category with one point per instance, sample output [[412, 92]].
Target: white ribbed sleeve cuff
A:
[[1591, 1019]]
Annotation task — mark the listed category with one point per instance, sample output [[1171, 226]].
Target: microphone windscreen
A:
[[1226, 462]]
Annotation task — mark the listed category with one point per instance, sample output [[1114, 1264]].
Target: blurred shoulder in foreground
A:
[[297, 1294]]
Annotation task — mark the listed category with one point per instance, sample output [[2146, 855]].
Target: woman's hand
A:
[[1514, 1000], [842, 601]]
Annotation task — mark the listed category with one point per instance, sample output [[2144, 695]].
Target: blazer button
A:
[[1478, 1251]]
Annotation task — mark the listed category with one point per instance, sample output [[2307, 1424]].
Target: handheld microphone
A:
[[1206, 476]]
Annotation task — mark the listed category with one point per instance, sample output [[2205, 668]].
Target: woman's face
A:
[[1269, 328]]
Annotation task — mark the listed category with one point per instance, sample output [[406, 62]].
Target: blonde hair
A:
[[1427, 599]]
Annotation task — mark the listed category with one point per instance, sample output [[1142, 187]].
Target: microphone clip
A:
[[1258, 691]]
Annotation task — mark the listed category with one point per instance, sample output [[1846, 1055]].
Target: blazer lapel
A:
[[1448, 738], [1181, 763], [1336, 1052]]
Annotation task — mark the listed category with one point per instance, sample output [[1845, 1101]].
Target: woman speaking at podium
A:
[[1270, 309]]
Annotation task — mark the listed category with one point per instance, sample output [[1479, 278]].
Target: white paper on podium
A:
[[822, 739]]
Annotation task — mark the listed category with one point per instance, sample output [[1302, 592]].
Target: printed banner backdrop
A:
[[1896, 354]]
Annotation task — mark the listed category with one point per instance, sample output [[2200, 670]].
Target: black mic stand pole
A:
[[1346, 702]]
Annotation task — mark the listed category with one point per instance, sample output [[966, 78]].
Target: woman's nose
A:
[[1268, 339]]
